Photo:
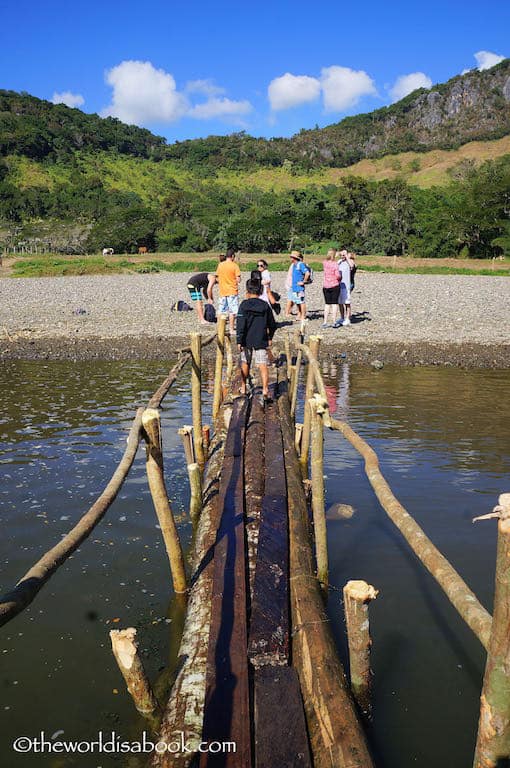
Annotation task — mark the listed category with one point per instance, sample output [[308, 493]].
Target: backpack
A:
[[210, 313], [353, 272], [181, 306], [310, 277]]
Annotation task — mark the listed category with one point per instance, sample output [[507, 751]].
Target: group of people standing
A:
[[255, 315]]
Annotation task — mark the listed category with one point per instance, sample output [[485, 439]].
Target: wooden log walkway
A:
[[253, 686]]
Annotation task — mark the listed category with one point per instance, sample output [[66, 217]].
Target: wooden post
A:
[[230, 359], [206, 439], [299, 432], [288, 354], [195, 483], [493, 741], [186, 433], [315, 342], [125, 650], [218, 370], [196, 397], [318, 505], [294, 384], [152, 434], [357, 595]]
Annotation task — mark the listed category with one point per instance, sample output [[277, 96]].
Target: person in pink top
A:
[[331, 288]]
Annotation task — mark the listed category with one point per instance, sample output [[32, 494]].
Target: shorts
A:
[[345, 295], [298, 297], [258, 356], [195, 293], [289, 294], [331, 294], [228, 305]]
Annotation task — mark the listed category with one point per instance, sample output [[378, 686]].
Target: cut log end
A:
[[360, 590], [124, 645]]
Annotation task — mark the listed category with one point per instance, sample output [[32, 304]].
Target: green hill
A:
[[405, 178]]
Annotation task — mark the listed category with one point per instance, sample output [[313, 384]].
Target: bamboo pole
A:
[[195, 482], [336, 736], [196, 397], [455, 588], [125, 650], [315, 343], [218, 370], [154, 466], [29, 585], [493, 740], [318, 505], [186, 435], [357, 596]]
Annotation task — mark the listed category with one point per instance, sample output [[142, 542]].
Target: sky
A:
[[191, 69]]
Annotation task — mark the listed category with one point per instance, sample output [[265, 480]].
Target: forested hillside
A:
[[71, 182]]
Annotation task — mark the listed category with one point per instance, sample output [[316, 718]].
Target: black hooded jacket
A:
[[255, 324]]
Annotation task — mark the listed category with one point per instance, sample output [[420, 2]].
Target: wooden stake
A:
[[299, 432], [288, 354], [294, 384], [152, 434], [196, 397], [218, 370], [125, 650], [493, 741], [315, 342], [357, 595], [206, 439], [195, 482], [318, 505], [186, 434], [230, 359]]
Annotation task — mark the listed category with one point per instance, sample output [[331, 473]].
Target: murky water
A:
[[442, 437]]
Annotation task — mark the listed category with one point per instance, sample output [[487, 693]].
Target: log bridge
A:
[[258, 681]]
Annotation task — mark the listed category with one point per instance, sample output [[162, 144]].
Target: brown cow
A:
[[142, 249]]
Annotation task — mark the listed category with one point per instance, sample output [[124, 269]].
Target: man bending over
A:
[[255, 329]]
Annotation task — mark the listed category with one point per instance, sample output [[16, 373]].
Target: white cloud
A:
[[486, 59], [206, 87], [224, 107], [292, 90], [406, 84], [143, 94], [68, 98], [343, 87]]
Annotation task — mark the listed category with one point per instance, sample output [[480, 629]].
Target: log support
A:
[[493, 741], [357, 596], [317, 407], [218, 369], [195, 483], [186, 435], [196, 397], [315, 342], [125, 650], [154, 465]]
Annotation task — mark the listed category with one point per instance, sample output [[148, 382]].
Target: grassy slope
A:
[[151, 180]]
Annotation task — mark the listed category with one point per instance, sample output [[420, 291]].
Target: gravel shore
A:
[[406, 319]]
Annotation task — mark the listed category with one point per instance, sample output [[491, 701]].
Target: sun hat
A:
[[296, 255]]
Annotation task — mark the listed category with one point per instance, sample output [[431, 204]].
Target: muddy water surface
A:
[[442, 437]]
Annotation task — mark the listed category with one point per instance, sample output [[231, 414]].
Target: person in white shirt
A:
[[345, 265]]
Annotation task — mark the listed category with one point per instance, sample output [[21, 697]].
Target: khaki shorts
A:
[[258, 356]]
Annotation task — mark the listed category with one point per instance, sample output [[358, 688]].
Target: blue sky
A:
[[188, 69]]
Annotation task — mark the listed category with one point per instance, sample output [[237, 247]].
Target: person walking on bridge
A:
[[255, 330]]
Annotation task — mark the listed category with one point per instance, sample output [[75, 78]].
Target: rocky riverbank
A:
[[402, 319]]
